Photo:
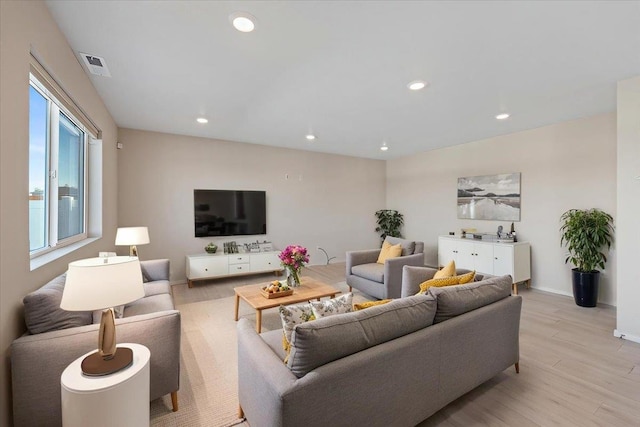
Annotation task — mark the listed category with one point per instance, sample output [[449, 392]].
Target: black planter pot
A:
[[585, 287]]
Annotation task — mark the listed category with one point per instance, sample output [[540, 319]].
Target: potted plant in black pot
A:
[[587, 234]]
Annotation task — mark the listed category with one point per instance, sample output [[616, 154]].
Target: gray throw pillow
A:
[[408, 246], [42, 312]]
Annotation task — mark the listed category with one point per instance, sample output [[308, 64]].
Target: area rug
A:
[[208, 393]]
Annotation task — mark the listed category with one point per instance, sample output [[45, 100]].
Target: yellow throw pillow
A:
[[447, 281], [466, 278], [363, 305], [448, 270], [389, 251]]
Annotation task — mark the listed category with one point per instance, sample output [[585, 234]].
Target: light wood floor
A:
[[573, 371]]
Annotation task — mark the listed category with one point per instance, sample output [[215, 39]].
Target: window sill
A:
[[59, 253]]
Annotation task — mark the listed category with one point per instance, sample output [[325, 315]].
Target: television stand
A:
[[212, 266]]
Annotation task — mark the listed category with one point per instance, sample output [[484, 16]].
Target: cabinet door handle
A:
[[206, 269], [496, 258], [238, 268]]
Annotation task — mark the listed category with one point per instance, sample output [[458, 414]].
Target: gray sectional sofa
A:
[[394, 364], [55, 338]]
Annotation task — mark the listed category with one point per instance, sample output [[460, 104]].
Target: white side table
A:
[[120, 399]]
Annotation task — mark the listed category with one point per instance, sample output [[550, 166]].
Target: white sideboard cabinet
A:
[[210, 266], [493, 258]]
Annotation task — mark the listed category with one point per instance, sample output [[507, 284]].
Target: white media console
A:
[[488, 257], [210, 266]]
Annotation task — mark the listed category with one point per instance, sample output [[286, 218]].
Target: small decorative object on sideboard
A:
[[211, 248], [230, 247], [265, 246]]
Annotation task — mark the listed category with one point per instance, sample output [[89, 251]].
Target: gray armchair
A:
[[412, 277], [382, 280]]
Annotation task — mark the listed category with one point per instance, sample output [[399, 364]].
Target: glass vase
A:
[[293, 278]]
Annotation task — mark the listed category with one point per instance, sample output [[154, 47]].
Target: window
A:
[[58, 145]]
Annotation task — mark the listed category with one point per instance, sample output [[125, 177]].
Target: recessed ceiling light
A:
[[202, 120], [417, 85], [502, 116], [384, 147], [310, 137], [243, 22]]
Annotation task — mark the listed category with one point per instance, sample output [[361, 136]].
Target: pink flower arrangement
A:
[[293, 258]]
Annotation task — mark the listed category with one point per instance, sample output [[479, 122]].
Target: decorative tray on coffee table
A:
[[280, 289]]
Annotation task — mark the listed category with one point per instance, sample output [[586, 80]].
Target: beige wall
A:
[[628, 221], [328, 200], [25, 25], [563, 166]]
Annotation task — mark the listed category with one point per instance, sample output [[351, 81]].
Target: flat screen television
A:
[[229, 213]]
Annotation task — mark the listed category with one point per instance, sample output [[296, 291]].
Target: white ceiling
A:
[[339, 69]]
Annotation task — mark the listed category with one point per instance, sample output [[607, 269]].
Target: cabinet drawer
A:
[[238, 259], [265, 262], [200, 268], [239, 268]]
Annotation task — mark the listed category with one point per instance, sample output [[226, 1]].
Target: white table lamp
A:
[[102, 283], [132, 236]]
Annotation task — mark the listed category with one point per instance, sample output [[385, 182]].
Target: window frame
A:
[[54, 108]]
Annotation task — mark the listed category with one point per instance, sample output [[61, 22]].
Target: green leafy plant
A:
[[586, 233], [389, 223]]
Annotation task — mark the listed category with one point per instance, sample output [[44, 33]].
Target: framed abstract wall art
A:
[[491, 197]]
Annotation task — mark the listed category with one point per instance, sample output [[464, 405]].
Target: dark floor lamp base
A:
[[95, 366]]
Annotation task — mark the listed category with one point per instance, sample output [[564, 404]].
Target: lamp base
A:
[[95, 366]]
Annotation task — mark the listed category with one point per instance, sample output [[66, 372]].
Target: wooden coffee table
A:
[[308, 290]]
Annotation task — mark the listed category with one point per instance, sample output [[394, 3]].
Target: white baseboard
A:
[[620, 334], [568, 294], [552, 291]]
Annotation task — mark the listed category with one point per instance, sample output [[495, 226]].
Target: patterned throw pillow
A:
[[339, 305], [367, 304], [447, 281], [292, 315]]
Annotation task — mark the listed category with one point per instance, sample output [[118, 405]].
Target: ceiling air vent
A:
[[95, 64]]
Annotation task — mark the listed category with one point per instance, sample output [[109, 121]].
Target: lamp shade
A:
[[126, 236], [97, 283]]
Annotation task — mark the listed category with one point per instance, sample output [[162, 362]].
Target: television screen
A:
[[229, 213]]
